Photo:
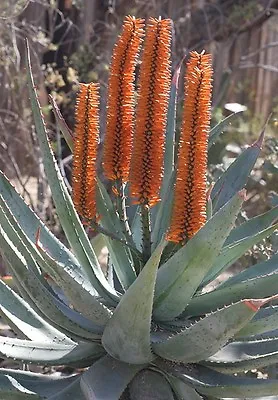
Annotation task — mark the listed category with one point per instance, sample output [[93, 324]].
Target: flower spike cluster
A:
[[154, 86], [120, 106], [189, 208], [85, 150]]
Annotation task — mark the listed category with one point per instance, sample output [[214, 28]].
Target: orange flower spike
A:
[[154, 87], [120, 105], [189, 207], [85, 150]]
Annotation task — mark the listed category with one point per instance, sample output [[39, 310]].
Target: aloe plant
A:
[[146, 327]]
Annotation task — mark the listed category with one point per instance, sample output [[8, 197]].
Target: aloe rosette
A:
[[147, 327]]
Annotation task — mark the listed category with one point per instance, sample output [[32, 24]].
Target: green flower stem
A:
[[121, 209], [95, 226], [146, 229]]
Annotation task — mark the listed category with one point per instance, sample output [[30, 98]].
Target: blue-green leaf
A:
[[244, 356], [235, 177], [206, 336], [216, 131], [81, 294], [70, 222], [30, 224], [66, 132], [15, 385], [252, 226], [24, 319], [44, 302], [180, 276], [120, 254], [233, 252], [48, 353], [183, 391], [149, 385], [212, 383], [261, 286], [265, 320], [127, 334], [107, 379]]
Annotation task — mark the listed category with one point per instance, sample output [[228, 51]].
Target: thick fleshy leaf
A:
[[81, 294], [30, 224], [68, 217], [150, 385], [48, 353], [171, 140], [136, 228], [183, 391], [255, 271], [265, 320], [253, 226], [265, 285], [163, 215], [13, 385], [180, 276], [244, 356], [120, 254], [107, 379], [66, 132], [235, 177], [11, 389], [232, 253], [25, 320], [127, 334], [206, 336], [42, 300], [217, 130], [212, 383], [74, 287]]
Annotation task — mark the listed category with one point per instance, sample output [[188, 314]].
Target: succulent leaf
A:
[[264, 285], [265, 320], [127, 334], [212, 383], [233, 252], [180, 276], [252, 226], [43, 300], [30, 224], [218, 129], [25, 320], [107, 379], [206, 336], [235, 177], [13, 385], [121, 256], [244, 356], [68, 217], [74, 285], [62, 125], [48, 353], [183, 391], [149, 385]]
